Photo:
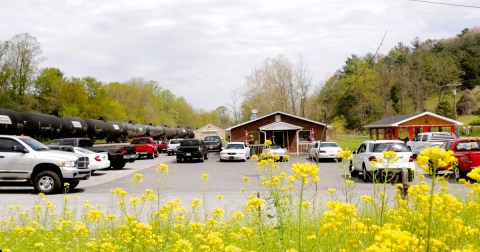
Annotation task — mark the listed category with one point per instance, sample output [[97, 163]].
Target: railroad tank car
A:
[[190, 133], [117, 132], [169, 132], [181, 132], [40, 126], [11, 122], [154, 132], [73, 127], [97, 129], [135, 130]]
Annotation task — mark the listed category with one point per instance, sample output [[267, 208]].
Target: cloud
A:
[[203, 50]]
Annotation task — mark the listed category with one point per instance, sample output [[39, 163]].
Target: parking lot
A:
[[185, 182]]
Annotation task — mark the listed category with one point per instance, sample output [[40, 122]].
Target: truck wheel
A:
[[47, 182], [118, 165], [73, 184]]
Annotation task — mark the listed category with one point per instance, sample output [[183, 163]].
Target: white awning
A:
[[280, 126]]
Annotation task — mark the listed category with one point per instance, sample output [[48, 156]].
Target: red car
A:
[[145, 146], [467, 152], [162, 147]]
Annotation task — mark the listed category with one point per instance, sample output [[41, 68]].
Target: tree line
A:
[[410, 78], [26, 88]]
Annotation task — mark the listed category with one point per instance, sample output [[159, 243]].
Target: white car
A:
[[372, 150], [277, 150], [235, 151], [323, 150], [98, 160]]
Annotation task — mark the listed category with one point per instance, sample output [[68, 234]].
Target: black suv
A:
[[213, 143]]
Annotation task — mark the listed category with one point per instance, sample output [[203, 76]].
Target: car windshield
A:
[[34, 144], [329, 145], [212, 138], [276, 147], [234, 146], [397, 147], [190, 143], [175, 141]]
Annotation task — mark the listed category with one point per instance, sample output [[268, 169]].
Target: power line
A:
[[449, 4]]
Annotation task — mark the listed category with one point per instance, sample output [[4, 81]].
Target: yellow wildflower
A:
[[138, 177], [474, 174], [204, 176], [162, 168]]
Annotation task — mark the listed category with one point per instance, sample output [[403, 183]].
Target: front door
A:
[[279, 138]]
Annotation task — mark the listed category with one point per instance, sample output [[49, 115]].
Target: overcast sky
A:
[[203, 50]]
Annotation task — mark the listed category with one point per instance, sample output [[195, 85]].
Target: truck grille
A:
[[83, 163]]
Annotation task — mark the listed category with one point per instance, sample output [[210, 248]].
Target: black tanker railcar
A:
[[44, 127]]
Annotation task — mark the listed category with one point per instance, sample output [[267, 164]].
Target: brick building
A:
[[283, 129]]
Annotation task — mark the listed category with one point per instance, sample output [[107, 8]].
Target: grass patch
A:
[[350, 142]]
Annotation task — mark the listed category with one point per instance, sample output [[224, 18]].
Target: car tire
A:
[[206, 156], [366, 175], [353, 172], [457, 174], [179, 160], [73, 184], [47, 182]]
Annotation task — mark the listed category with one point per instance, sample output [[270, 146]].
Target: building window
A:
[[304, 135]]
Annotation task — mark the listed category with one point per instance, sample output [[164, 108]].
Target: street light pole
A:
[[454, 92]]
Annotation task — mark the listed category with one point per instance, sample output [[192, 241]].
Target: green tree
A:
[[22, 56], [444, 109], [48, 87]]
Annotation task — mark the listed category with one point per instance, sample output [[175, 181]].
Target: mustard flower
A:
[[246, 179], [433, 158], [305, 171], [332, 190], [345, 154], [162, 168], [268, 143], [137, 177], [474, 174], [255, 204], [218, 213], [204, 176], [232, 248], [182, 245], [219, 197]]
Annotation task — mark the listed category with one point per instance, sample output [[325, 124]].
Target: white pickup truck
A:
[[24, 160], [429, 139]]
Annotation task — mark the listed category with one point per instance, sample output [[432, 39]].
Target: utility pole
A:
[[454, 92]]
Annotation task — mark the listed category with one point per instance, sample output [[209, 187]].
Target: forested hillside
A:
[[410, 78]]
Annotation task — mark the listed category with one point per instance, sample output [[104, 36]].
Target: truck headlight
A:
[[68, 164]]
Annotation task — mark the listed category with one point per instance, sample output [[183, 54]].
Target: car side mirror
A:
[[18, 148]]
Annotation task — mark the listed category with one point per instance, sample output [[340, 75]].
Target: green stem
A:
[[300, 218], [430, 211]]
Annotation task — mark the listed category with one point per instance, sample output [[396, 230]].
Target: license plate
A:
[[231, 157], [188, 154]]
